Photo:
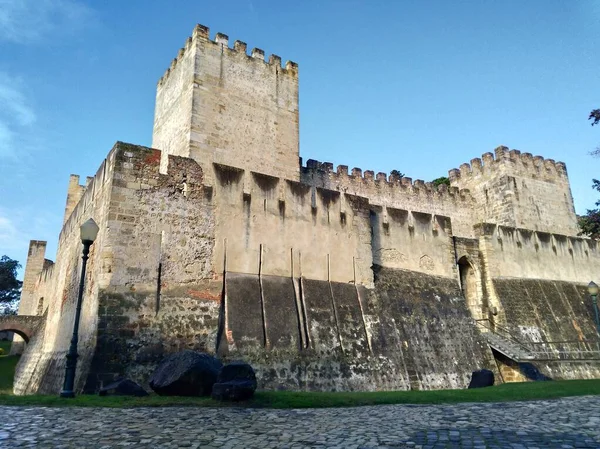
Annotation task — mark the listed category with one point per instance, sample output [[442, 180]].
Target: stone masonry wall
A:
[[412, 331], [41, 369], [163, 295]]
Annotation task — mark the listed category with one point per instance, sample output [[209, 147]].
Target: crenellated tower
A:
[[519, 190], [219, 104]]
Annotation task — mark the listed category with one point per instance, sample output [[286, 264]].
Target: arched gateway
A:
[[25, 326]]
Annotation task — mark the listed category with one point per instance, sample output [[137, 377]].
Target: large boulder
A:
[[186, 373], [123, 387], [236, 382], [481, 378]]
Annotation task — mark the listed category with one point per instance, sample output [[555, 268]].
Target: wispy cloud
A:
[[28, 21], [16, 113]]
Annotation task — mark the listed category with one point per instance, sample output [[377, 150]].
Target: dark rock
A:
[[123, 387], [234, 390], [236, 382], [186, 373], [481, 378], [236, 371]]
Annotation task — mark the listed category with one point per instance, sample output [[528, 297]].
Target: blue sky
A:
[[420, 86]]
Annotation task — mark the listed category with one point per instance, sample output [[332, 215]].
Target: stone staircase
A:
[[503, 341], [513, 350]]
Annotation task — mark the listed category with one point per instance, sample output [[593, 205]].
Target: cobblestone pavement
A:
[[564, 423]]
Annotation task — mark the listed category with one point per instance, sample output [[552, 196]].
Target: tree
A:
[[595, 116], [397, 173], [590, 222], [442, 180], [10, 286]]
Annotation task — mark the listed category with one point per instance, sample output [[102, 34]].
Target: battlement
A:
[[524, 164], [201, 33], [364, 179]]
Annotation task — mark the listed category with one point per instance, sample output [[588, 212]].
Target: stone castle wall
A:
[[222, 242], [42, 369]]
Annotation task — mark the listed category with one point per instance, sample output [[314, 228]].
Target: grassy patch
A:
[[7, 369], [5, 344], [288, 399]]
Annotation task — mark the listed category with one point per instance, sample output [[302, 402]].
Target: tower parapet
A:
[[220, 104], [519, 190]]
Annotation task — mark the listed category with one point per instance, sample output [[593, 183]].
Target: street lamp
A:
[[593, 291], [88, 232]]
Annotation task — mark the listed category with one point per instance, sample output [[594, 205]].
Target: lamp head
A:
[[89, 231], [592, 288]]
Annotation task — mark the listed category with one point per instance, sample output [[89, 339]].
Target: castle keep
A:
[[220, 239]]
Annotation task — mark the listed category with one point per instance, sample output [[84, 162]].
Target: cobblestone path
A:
[[564, 423]]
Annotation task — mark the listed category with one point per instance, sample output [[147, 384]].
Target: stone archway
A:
[[25, 326], [470, 283]]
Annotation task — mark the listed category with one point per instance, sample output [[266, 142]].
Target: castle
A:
[[219, 239]]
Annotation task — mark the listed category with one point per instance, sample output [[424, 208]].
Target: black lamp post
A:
[[593, 291], [88, 232]]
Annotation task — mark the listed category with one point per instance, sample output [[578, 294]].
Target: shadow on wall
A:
[[512, 371]]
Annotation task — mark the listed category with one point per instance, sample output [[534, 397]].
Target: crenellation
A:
[[406, 181], [201, 32], [291, 66], [561, 169], [476, 166], [313, 164], [342, 170], [454, 175], [275, 60], [526, 159], [381, 177], [550, 167], [240, 47], [258, 54], [356, 172], [514, 155], [222, 39], [465, 170], [488, 160], [501, 153], [327, 166], [369, 175]]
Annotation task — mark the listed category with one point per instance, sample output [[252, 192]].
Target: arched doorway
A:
[[470, 283]]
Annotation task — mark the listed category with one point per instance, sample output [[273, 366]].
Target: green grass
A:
[[5, 345], [288, 399], [7, 368]]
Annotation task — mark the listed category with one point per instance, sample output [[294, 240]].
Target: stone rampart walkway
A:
[[564, 423]]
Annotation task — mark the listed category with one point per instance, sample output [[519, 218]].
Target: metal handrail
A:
[[532, 347], [503, 330]]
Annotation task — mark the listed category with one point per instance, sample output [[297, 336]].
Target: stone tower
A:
[[218, 104], [519, 190]]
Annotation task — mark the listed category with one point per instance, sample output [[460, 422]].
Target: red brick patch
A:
[[153, 158], [204, 295]]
